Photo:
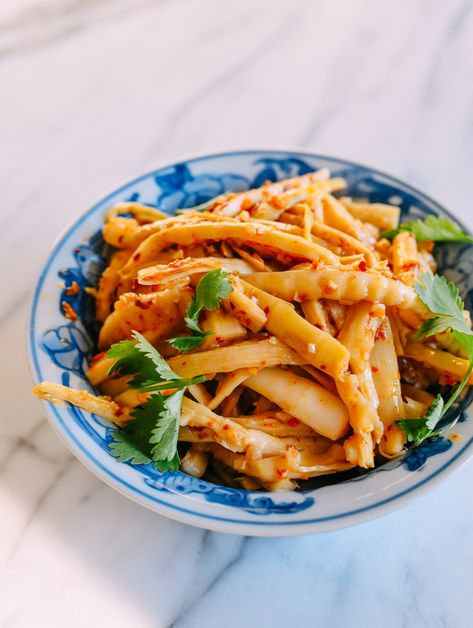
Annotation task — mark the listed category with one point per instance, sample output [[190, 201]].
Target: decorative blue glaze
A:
[[417, 457], [69, 346], [179, 188], [255, 502]]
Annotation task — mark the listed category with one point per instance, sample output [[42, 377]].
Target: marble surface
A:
[[96, 92]]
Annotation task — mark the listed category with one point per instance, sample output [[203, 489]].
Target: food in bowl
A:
[[273, 335]]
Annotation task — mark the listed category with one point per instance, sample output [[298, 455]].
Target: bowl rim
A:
[[205, 520]]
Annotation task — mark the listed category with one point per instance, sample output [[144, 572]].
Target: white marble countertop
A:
[[94, 93]]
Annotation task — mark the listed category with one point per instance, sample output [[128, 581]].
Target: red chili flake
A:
[[374, 369], [314, 265], [119, 410], [248, 322], [73, 289], [362, 265], [168, 393], [281, 472], [97, 357], [219, 339], [143, 305], [293, 422], [303, 297], [226, 427], [136, 257], [246, 203], [328, 289], [381, 333], [276, 202], [450, 379], [68, 311], [135, 284], [266, 309], [323, 367]]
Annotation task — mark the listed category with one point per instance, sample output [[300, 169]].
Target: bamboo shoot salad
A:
[[273, 335]]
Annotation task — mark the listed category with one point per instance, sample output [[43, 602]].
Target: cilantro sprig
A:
[[432, 229], [151, 434], [442, 299], [417, 430], [211, 289]]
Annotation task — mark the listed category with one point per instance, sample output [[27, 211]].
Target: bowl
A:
[[59, 350]]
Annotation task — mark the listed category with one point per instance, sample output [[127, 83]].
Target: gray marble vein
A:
[[252, 52], [217, 579], [42, 25]]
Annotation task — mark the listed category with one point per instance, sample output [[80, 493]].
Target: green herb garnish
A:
[[151, 434], [442, 298], [432, 229], [211, 289]]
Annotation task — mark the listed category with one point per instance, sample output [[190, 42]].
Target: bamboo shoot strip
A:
[[187, 234], [248, 354], [315, 346], [337, 284], [309, 402]]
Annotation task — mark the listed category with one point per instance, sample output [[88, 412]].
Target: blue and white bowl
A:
[[59, 351]]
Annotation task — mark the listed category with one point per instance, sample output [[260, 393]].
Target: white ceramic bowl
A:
[[59, 350]]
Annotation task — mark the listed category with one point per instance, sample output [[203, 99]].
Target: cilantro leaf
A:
[[165, 433], [148, 368], [125, 447], [131, 442], [417, 430], [466, 343], [153, 386], [188, 343], [152, 432], [211, 289], [131, 361], [439, 295], [192, 324], [162, 367], [443, 299], [433, 228]]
